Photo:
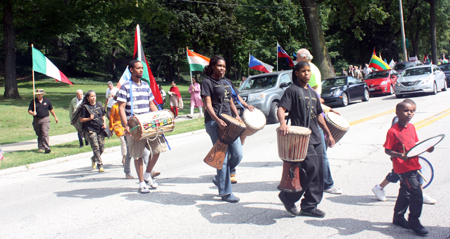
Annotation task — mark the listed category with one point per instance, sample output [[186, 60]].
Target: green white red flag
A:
[[43, 65]]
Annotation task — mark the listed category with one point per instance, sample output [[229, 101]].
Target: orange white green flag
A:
[[196, 61]]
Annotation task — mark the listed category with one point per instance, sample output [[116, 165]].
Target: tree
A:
[[11, 91]]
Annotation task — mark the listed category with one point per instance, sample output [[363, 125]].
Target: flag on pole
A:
[[126, 76], [378, 64], [392, 64], [256, 64], [283, 54], [43, 65], [196, 61]]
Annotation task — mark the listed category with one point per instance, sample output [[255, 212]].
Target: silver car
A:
[[421, 79]]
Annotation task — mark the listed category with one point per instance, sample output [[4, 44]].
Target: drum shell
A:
[[336, 131], [251, 129], [151, 124], [232, 131], [288, 184], [293, 146]]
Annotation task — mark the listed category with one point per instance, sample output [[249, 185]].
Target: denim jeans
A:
[[229, 163], [327, 179]]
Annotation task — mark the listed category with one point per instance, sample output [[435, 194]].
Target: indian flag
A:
[[43, 65], [196, 61], [378, 64]]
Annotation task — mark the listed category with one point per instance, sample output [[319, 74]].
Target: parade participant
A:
[[316, 78], [116, 125], [175, 99], [344, 72], [400, 138], [367, 70], [76, 101], [163, 96], [217, 94], [196, 99], [135, 98], [305, 110], [109, 102], [39, 108], [94, 123]]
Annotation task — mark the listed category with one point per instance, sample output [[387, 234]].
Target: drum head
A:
[[254, 119], [232, 120], [298, 130], [424, 145], [136, 133], [338, 120]]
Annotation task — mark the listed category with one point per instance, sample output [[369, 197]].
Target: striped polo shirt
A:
[[142, 95]]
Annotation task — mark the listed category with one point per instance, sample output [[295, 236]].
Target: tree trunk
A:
[[11, 91], [433, 31], [319, 47], [113, 65]]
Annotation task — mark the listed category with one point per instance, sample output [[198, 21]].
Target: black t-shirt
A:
[[41, 108], [98, 111], [219, 91], [292, 101]]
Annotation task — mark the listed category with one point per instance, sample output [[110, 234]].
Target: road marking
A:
[[432, 119], [371, 117]]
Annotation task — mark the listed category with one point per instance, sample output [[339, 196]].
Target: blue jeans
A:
[[327, 179], [229, 163]]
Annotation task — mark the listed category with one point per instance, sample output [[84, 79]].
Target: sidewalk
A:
[[64, 138]]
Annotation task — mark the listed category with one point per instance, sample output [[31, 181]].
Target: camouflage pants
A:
[[97, 141]]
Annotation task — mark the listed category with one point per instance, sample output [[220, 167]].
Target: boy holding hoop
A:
[[400, 138]]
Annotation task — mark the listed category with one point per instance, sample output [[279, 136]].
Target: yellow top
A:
[[114, 121]]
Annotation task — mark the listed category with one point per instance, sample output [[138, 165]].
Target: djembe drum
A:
[[227, 136], [150, 125], [292, 149], [337, 125], [254, 122]]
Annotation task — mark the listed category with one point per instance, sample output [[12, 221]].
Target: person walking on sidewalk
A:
[[196, 99], [94, 123], [41, 120], [175, 99], [76, 101], [109, 102], [115, 125]]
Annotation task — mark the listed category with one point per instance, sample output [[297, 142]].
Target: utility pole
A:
[[402, 27]]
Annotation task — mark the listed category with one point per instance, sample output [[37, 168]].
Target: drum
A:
[[254, 121], [424, 145], [151, 124], [216, 155], [293, 146], [290, 179], [337, 125]]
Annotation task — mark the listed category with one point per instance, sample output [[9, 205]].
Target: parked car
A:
[[342, 90], [421, 79], [401, 66], [264, 91], [446, 69], [382, 82]]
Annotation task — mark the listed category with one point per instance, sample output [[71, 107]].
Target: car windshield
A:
[[445, 67], [259, 82], [334, 82], [417, 71], [403, 65], [376, 75]]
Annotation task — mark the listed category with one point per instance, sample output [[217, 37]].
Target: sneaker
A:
[[418, 229], [379, 192], [129, 176], [401, 222], [151, 183], [313, 213], [41, 151], [100, 169], [94, 165], [333, 190], [428, 200], [233, 178], [144, 189], [230, 198], [290, 207], [47, 151]]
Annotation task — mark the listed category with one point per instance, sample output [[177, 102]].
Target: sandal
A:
[[129, 176]]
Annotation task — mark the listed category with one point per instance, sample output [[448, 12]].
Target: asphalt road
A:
[[65, 198]]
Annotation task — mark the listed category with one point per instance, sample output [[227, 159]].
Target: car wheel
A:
[[344, 99], [272, 117], [399, 96], [445, 86], [391, 92], [434, 89], [366, 95]]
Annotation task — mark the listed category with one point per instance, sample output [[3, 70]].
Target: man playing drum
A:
[[305, 110], [136, 98]]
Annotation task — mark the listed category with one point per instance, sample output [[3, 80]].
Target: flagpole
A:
[[32, 73], [248, 69], [190, 72], [277, 55]]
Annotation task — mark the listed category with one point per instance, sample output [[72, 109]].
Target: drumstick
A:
[[421, 175], [135, 127], [404, 152]]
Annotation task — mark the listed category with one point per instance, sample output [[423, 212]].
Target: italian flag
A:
[[43, 65], [196, 61], [378, 64]]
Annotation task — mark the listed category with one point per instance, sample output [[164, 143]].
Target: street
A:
[[67, 199]]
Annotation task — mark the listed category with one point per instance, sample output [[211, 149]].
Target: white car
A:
[[421, 79]]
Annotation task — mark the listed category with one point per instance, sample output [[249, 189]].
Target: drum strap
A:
[[233, 93]]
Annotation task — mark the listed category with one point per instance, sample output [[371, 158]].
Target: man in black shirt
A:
[[39, 108], [305, 110]]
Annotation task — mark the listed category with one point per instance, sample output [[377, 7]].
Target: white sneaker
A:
[[428, 200], [151, 183], [333, 190], [379, 192]]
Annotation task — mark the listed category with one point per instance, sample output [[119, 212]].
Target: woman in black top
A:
[[93, 120], [216, 93]]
